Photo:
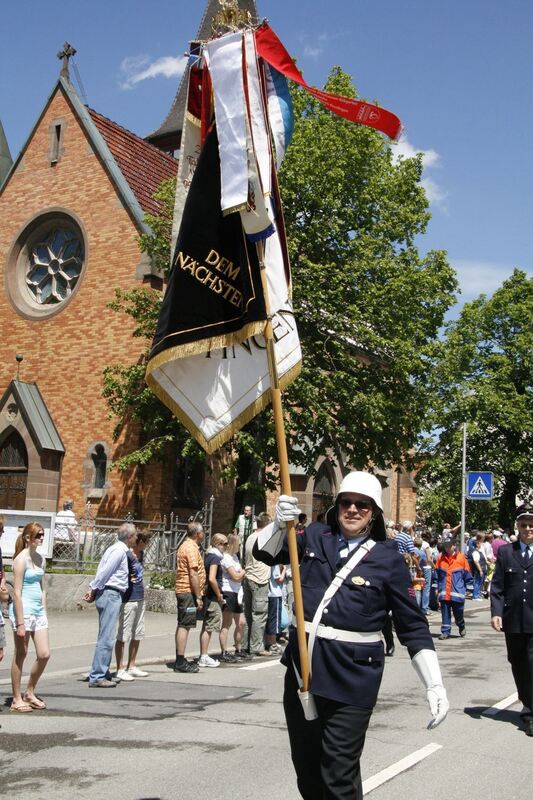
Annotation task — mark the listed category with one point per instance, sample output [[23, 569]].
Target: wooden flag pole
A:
[[275, 394]]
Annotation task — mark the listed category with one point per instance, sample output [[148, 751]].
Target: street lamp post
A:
[[463, 493]]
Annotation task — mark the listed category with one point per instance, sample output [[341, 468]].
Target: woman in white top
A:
[[232, 611]]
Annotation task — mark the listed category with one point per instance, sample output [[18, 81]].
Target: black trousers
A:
[[520, 655], [326, 751]]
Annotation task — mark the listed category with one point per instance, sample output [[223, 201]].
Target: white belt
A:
[[326, 632]]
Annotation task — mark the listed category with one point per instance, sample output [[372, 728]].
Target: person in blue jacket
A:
[[344, 621]]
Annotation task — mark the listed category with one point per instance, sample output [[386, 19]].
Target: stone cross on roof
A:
[[67, 52]]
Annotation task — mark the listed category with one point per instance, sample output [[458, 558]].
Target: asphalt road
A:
[[221, 733]]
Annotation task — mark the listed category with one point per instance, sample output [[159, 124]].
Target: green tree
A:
[[368, 304], [483, 376]]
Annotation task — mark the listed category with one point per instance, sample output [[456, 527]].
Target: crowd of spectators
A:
[[241, 606], [444, 577]]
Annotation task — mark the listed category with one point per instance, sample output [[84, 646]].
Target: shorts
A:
[[212, 616], [2, 637], [186, 610], [273, 626], [232, 602], [131, 621], [32, 623]]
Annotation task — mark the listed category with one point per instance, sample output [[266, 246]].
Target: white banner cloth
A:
[[216, 393], [225, 65]]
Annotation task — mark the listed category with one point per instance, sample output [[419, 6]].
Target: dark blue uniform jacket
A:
[[511, 590], [345, 671]]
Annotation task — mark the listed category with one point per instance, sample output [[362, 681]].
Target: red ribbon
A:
[[273, 51]]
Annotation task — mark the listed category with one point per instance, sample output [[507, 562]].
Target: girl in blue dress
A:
[[28, 617]]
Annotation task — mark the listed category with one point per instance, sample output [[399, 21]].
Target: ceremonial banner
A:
[[208, 362], [214, 295], [274, 52], [215, 393]]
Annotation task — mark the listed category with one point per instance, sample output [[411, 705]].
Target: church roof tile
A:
[[142, 165]]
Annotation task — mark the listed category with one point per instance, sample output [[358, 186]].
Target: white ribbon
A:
[[225, 63]]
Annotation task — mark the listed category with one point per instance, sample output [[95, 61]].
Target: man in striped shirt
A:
[[404, 538]]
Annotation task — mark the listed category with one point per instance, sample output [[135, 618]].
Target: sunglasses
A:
[[39, 535], [361, 505]]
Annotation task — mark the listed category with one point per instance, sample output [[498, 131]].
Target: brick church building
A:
[[72, 205]]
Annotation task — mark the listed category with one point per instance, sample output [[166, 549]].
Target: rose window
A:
[[54, 266]]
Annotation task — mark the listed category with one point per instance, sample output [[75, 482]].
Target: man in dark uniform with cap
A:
[[351, 577], [511, 604]]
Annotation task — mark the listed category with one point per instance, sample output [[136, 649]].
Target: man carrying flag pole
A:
[[226, 345]]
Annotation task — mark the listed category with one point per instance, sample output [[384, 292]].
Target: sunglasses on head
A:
[[361, 505]]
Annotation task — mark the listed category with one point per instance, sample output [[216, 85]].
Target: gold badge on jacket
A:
[[358, 580]]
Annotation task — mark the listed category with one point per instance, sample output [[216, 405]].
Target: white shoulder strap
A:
[[337, 581]]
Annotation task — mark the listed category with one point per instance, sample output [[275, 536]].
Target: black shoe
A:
[[529, 727], [444, 636], [390, 650], [242, 654], [227, 658], [103, 683], [186, 666], [462, 633]]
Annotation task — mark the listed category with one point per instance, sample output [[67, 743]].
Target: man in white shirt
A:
[[107, 588], [66, 524]]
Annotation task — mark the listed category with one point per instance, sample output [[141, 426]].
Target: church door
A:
[[13, 473]]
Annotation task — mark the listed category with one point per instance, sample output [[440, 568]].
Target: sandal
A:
[[37, 704], [23, 708]]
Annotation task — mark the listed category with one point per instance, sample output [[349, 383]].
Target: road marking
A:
[[261, 666], [395, 769], [78, 672], [86, 644], [497, 707]]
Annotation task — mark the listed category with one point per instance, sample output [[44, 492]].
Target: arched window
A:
[[188, 483], [99, 459], [96, 483], [13, 472]]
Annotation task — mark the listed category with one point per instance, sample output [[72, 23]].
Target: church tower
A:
[[168, 136]]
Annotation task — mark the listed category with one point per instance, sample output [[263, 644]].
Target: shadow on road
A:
[[509, 717]]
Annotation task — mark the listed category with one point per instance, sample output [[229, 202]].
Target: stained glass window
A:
[[54, 266]]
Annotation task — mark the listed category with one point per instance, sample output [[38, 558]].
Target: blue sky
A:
[[458, 73]]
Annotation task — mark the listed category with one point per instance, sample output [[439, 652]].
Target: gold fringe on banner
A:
[[213, 444], [204, 345]]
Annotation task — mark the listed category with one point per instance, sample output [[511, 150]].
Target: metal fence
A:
[[93, 535]]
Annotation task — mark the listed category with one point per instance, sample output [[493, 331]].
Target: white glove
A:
[[287, 510], [426, 666], [438, 705]]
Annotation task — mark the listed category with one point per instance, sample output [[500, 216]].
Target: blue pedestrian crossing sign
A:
[[479, 485]]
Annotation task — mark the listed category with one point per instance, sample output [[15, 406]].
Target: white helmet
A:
[[362, 483]]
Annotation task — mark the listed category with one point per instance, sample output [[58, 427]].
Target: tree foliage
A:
[[483, 375], [367, 303]]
